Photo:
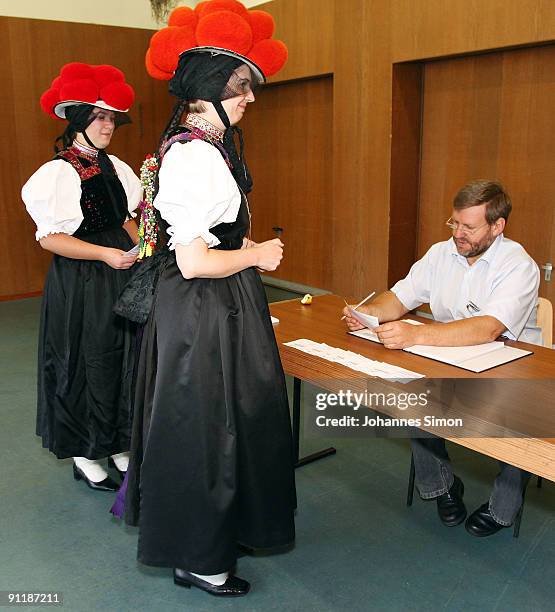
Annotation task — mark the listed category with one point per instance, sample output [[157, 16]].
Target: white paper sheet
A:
[[354, 361], [476, 358], [454, 354], [367, 320]]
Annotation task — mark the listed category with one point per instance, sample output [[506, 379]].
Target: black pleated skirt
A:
[[85, 361], [212, 460]]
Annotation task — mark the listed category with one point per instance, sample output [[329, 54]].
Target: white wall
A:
[[125, 13]]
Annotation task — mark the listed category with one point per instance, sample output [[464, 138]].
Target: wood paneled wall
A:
[[406, 129], [33, 52], [424, 29], [361, 42], [362, 130], [491, 116], [289, 150], [309, 30], [370, 39]]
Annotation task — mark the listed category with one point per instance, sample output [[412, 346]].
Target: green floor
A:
[[358, 546]]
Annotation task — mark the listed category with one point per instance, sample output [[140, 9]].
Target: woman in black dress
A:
[[212, 458], [82, 202]]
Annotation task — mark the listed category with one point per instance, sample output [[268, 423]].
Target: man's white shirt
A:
[[503, 284]]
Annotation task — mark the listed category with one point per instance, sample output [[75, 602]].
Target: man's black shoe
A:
[[450, 505], [482, 524]]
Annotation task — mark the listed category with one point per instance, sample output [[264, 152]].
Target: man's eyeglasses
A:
[[465, 231]]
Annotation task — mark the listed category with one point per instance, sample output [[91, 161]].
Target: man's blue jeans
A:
[[434, 476]]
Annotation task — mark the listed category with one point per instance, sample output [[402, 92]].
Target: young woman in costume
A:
[[212, 458], [82, 203]]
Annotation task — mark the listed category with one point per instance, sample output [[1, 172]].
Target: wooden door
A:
[[288, 147], [492, 116]]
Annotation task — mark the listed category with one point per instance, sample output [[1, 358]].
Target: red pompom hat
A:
[[224, 27], [103, 86]]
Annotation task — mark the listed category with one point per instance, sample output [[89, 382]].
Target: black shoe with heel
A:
[[232, 587], [104, 485], [112, 464]]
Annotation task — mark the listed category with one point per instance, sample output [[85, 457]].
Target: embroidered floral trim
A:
[[210, 131], [84, 173]]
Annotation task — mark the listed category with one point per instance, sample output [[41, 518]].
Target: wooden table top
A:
[[321, 322]]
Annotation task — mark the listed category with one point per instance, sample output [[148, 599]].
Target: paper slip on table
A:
[[531, 376]]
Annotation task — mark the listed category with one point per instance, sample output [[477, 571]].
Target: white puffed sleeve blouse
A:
[[196, 192], [52, 196]]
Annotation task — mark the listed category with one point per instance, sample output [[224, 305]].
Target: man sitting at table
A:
[[479, 285]]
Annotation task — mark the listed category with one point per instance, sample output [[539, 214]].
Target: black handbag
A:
[[136, 300]]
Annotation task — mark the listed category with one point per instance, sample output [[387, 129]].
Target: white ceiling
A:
[[125, 13]]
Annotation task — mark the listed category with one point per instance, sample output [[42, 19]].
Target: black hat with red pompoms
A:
[[219, 27], [102, 86]]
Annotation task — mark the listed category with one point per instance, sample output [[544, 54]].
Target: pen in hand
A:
[[360, 303]]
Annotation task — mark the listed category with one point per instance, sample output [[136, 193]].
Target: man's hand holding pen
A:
[[352, 323]]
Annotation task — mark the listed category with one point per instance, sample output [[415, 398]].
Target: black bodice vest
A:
[[103, 199]]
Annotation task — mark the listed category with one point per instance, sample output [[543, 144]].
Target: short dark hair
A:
[[491, 193]]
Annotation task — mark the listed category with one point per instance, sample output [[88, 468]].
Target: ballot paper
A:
[[367, 320], [133, 251], [368, 334], [354, 361], [274, 320]]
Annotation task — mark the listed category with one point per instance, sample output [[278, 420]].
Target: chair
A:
[[544, 318]]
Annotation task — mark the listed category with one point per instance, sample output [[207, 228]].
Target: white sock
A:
[[215, 579], [91, 468], [122, 461]]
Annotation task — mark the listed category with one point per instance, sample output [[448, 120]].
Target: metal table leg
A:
[[297, 430]]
